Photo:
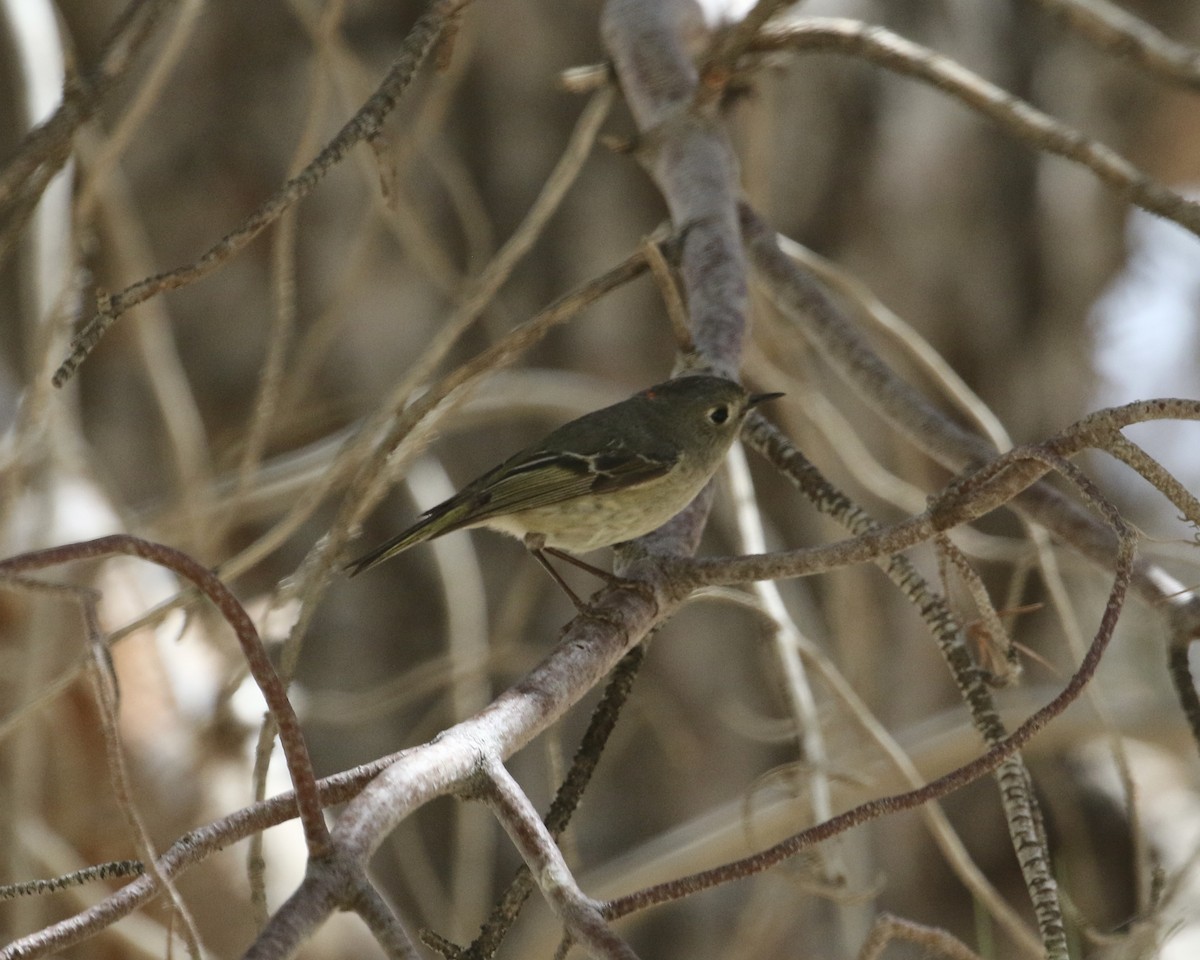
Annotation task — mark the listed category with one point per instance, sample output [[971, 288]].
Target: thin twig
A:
[[944, 835], [363, 125], [104, 689], [786, 636], [295, 750], [1016, 792], [805, 304], [98, 871], [192, 848], [685, 886], [1119, 32], [46, 148], [934, 941], [1019, 118]]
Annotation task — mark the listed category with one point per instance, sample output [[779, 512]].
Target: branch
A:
[[190, 849], [687, 152], [839, 342], [46, 148], [619, 618], [570, 792], [580, 915], [756, 863], [362, 126], [967, 498], [1021, 119], [295, 751], [1119, 32], [1016, 789]]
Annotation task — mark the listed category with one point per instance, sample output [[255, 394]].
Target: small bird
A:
[[610, 476]]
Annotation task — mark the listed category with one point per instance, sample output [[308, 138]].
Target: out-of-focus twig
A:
[[1119, 32], [363, 125], [1021, 119]]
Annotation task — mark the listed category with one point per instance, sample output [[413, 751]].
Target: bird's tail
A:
[[441, 519]]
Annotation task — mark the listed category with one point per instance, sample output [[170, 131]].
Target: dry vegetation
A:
[[328, 259]]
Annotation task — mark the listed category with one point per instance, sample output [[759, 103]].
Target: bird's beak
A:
[[757, 398]]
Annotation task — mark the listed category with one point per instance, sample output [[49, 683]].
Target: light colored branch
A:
[[803, 302], [687, 152], [933, 941], [360, 127], [876, 315], [1022, 120], [46, 149], [193, 848], [1016, 792], [971, 496], [764, 859], [580, 915], [291, 738], [591, 646], [787, 639], [105, 691], [1120, 33]]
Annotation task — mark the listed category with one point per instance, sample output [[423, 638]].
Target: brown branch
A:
[[1119, 32], [190, 849], [1020, 119], [98, 871], [364, 125], [316, 834], [105, 689], [46, 148], [570, 792], [970, 496], [1016, 790], [803, 302], [756, 863], [618, 618], [1155, 474], [888, 928], [719, 62]]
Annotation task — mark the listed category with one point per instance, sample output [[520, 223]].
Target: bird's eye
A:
[[719, 414]]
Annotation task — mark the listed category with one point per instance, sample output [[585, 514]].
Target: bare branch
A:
[[971, 496], [291, 737], [687, 152], [1021, 119], [1119, 32], [685, 886], [570, 792], [190, 849], [46, 148], [1016, 790], [841, 344], [362, 126], [99, 871], [888, 928], [581, 916]]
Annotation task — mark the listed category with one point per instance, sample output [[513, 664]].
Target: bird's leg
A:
[[535, 543], [610, 578]]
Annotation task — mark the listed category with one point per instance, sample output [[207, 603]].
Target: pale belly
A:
[[589, 523]]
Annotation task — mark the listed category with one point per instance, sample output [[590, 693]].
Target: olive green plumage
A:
[[607, 477]]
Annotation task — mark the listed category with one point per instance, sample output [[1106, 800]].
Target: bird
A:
[[607, 477]]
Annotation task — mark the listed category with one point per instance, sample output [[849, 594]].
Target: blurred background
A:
[[1035, 282]]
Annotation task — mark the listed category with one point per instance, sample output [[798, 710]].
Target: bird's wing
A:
[[528, 480], [552, 477]]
